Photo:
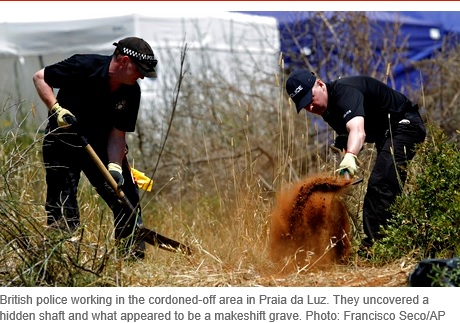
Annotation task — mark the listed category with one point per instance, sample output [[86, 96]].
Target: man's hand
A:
[[349, 164], [117, 173], [61, 115]]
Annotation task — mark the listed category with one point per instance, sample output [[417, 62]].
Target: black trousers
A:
[[65, 158], [390, 171]]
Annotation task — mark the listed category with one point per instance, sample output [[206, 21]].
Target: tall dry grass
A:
[[222, 214]]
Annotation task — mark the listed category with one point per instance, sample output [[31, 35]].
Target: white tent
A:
[[221, 41]]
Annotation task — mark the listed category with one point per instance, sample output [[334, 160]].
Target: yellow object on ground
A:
[[142, 181]]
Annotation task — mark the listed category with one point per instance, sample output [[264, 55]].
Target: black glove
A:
[[117, 173]]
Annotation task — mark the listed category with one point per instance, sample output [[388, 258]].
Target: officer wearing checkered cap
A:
[[365, 110], [100, 93], [140, 53]]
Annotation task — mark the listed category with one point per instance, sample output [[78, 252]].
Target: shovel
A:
[[142, 233]]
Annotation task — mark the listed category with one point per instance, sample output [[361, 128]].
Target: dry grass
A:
[[229, 239], [233, 250], [205, 270], [223, 213]]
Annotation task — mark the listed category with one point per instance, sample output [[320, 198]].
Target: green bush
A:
[[426, 216]]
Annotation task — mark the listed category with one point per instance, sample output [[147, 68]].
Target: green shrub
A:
[[445, 277], [426, 216]]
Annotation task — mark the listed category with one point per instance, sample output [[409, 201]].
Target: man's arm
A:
[[356, 135], [116, 147], [45, 92], [116, 150]]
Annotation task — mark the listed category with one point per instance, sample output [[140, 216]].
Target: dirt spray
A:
[[310, 224]]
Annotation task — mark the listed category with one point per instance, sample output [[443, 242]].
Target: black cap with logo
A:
[[298, 86], [141, 54]]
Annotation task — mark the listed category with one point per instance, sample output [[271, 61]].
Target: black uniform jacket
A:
[[83, 83], [364, 96]]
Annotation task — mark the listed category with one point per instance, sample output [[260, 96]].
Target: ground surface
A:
[[195, 272]]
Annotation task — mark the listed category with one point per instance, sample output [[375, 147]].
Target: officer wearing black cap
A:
[[140, 53], [365, 110], [100, 93]]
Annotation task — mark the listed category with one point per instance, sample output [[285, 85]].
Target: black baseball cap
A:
[[298, 86], [141, 54]]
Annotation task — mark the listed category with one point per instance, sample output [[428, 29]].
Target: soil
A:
[[310, 224]]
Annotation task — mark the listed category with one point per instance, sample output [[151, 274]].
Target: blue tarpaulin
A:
[[421, 37]]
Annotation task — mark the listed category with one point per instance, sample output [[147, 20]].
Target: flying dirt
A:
[[310, 224]]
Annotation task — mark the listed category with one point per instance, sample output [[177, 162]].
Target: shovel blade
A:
[[155, 239]]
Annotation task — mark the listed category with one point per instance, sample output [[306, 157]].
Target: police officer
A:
[[100, 93], [365, 110]]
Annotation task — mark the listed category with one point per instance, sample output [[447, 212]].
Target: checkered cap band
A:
[[137, 55], [141, 54]]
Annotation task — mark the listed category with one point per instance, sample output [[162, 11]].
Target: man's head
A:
[[140, 52], [299, 87]]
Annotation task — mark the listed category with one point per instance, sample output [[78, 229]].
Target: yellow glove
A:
[[61, 113], [349, 164], [142, 181]]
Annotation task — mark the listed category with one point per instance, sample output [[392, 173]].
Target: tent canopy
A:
[[218, 42], [421, 32]]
